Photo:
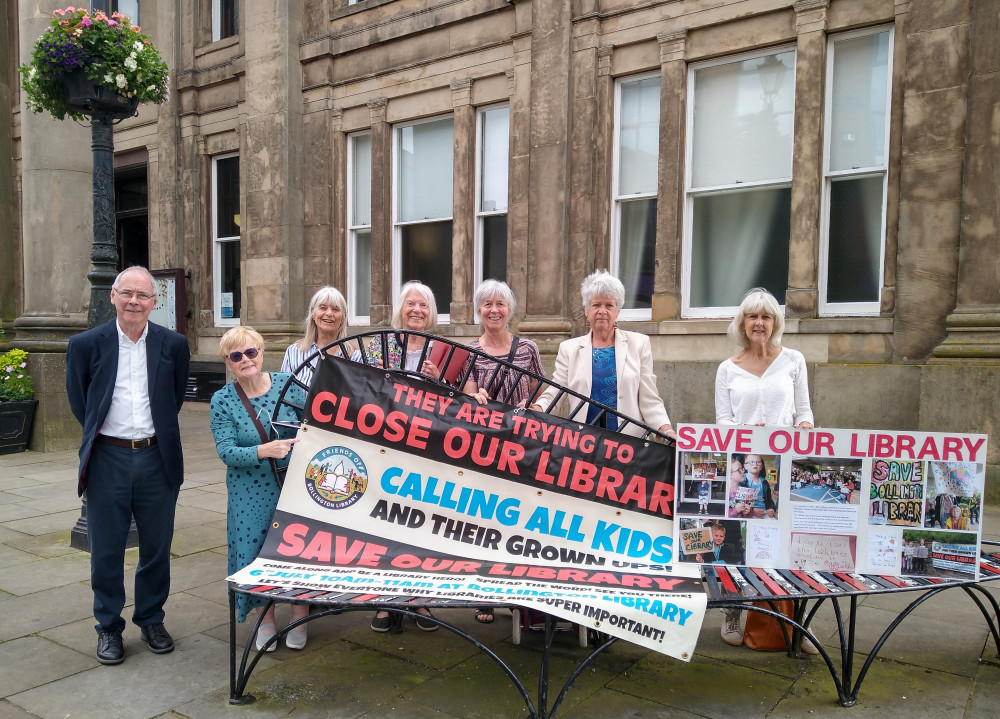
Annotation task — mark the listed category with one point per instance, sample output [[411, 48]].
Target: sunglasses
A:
[[250, 352]]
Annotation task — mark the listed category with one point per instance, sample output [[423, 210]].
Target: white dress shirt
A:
[[130, 416]]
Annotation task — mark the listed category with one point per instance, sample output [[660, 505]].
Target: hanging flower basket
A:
[[83, 63], [84, 95]]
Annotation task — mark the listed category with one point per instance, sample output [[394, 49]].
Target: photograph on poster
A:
[[939, 553], [826, 480], [954, 495], [703, 484], [753, 486], [897, 493], [712, 541], [823, 552]]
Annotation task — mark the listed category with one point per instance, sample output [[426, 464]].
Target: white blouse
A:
[[778, 398]]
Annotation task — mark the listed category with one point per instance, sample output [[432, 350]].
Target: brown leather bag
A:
[[763, 633]]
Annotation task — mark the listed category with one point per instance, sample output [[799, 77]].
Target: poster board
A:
[[171, 299], [868, 501], [400, 486]]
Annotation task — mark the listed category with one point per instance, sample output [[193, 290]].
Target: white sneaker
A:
[[731, 632], [265, 632], [296, 638]]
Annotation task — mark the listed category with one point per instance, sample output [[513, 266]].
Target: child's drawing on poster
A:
[[763, 544], [897, 493], [885, 551]]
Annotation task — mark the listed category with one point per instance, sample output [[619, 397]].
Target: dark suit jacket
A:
[[91, 369]]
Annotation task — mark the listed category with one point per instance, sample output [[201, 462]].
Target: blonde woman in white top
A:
[[762, 384]]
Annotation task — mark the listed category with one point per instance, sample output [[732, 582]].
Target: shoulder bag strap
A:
[[256, 423]]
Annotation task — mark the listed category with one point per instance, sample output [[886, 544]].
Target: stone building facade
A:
[[842, 153]]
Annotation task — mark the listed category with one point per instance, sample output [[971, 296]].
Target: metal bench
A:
[[725, 586]]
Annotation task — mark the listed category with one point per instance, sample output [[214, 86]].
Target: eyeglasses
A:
[[129, 294], [250, 352]]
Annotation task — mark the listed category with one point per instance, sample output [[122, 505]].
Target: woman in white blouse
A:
[[763, 384]]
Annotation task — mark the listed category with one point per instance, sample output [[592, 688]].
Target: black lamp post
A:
[[105, 109]]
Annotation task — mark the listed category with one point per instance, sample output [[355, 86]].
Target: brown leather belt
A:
[[126, 443]]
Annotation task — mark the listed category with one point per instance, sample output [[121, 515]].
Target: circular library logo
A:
[[336, 478]]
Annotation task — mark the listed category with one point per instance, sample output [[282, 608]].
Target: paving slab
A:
[[55, 544], [891, 690], [33, 661], [198, 538], [144, 686], [608, 703], [39, 524], [41, 574], [703, 686], [33, 613]]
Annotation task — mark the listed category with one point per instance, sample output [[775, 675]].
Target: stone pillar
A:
[[599, 134], [10, 245], [588, 243], [381, 307], [271, 181], [973, 328], [934, 130], [464, 203], [56, 234], [548, 177], [802, 296], [670, 176], [324, 176]]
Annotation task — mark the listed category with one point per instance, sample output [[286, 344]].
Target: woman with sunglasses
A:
[[242, 414]]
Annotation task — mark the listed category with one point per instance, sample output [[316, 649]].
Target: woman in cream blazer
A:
[[607, 364]]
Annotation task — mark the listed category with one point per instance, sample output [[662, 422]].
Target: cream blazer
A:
[[637, 395]]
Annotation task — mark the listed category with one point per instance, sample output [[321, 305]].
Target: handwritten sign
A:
[[696, 540], [822, 552]]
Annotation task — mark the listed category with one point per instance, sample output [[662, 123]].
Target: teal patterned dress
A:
[[251, 485]]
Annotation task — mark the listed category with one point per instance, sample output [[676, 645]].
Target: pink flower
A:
[[112, 23], [86, 22], [136, 28], [60, 13], [71, 9]]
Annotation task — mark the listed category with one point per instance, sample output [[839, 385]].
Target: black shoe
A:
[[423, 623], [157, 637], [382, 624], [110, 649]]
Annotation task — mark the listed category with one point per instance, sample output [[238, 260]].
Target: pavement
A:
[[939, 663]]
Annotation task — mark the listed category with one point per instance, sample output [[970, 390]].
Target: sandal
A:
[[484, 616]]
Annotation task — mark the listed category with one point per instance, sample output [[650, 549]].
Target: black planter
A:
[[85, 95], [15, 425]]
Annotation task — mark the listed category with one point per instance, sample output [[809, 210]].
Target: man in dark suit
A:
[[126, 381]]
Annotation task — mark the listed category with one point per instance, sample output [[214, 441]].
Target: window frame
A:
[[480, 214], [217, 243], [444, 313], [352, 229], [687, 311], [851, 309], [617, 199], [217, 20]]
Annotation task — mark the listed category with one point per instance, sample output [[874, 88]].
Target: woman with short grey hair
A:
[[589, 364], [495, 303]]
